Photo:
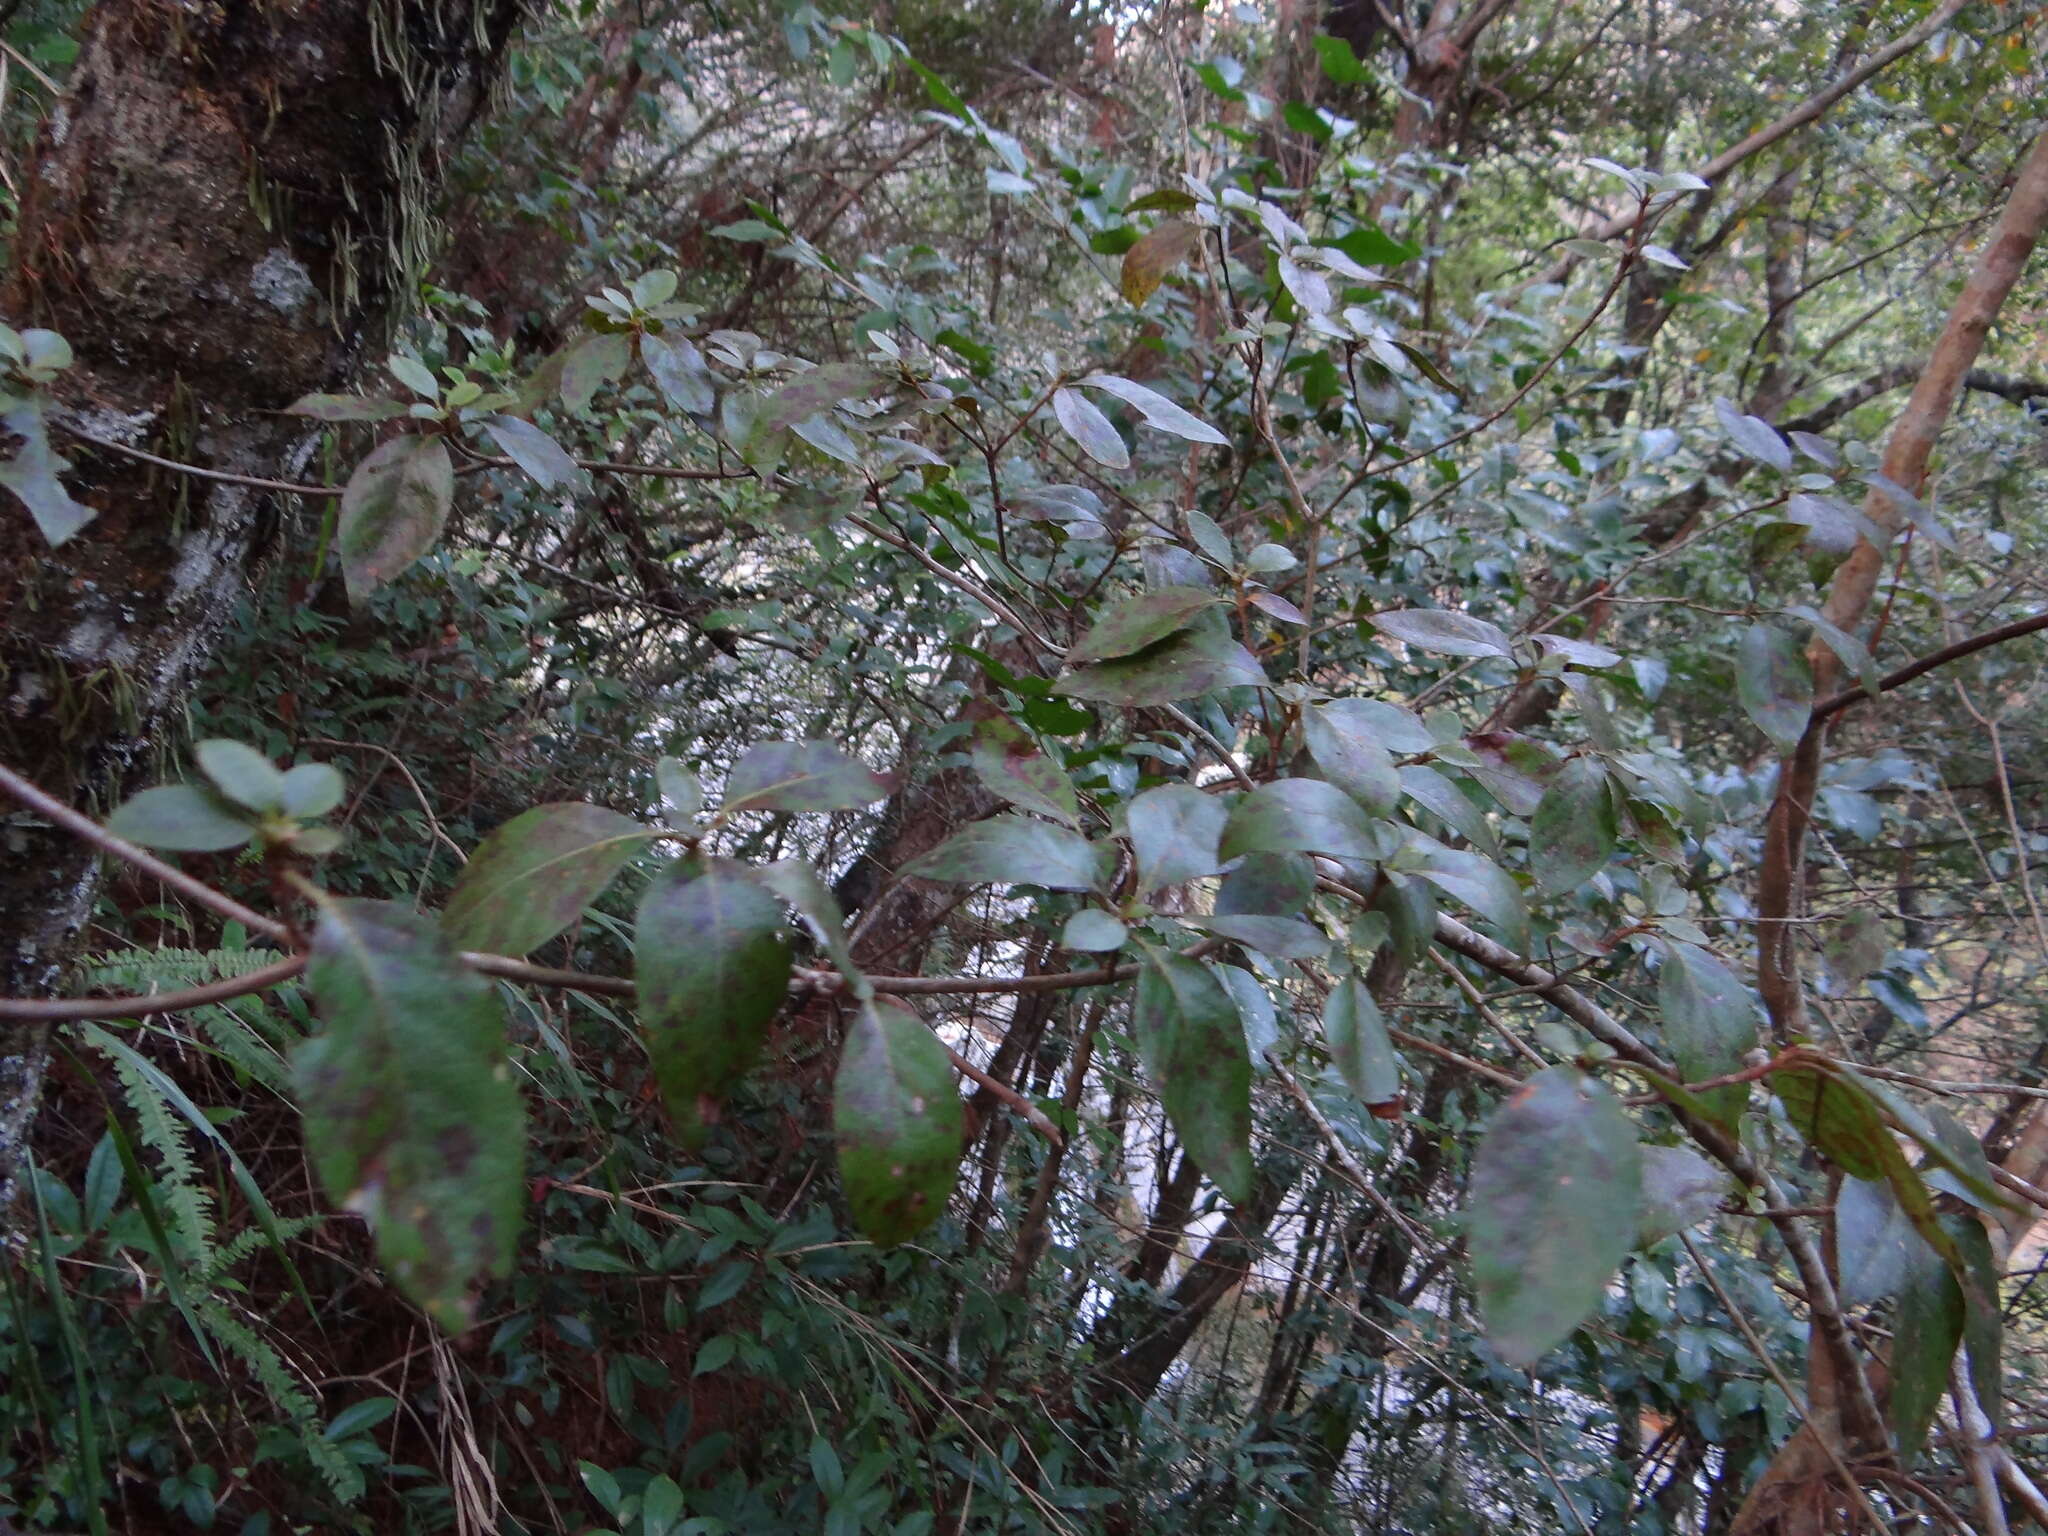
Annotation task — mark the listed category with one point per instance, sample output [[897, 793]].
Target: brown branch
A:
[[57, 1010], [1836, 702]]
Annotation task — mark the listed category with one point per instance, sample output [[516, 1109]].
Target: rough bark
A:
[[221, 213]]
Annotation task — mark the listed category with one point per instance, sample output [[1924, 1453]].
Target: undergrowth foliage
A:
[[1280, 886]]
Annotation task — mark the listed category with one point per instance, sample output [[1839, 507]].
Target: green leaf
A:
[[346, 408], [1357, 1036], [411, 1116], [1175, 831], [1011, 850], [1092, 931], [1875, 1242], [1346, 746], [813, 392], [1838, 1120], [532, 878], [414, 375], [1681, 1189], [32, 474], [592, 363], [184, 818], [1774, 684], [392, 510], [1709, 1024], [1015, 772], [1284, 938], [1339, 62], [1555, 1189], [1192, 1042], [1200, 660], [681, 792], [1927, 1326], [1451, 805], [1267, 885], [679, 372], [1164, 200], [546, 461], [1480, 884], [312, 789], [242, 774], [1448, 634], [1573, 832], [1159, 412], [1082, 420], [1135, 624], [711, 961], [1158, 251], [798, 884], [801, 776], [899, 1122], [1371, 246], [1301, 816]]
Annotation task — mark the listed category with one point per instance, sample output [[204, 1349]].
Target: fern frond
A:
[[183, 1192], [343, 1478]]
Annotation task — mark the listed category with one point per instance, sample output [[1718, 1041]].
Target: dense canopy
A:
[[1021, 768]]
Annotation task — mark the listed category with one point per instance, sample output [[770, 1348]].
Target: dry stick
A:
[[1977, 1440], [1342, 1154], [82, 826], [56, 1010]]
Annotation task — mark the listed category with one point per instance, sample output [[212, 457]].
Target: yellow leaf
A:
[[1157, 253]]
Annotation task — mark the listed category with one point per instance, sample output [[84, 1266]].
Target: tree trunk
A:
[[223, 211]]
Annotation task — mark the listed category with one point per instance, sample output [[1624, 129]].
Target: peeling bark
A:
[[222, 213]]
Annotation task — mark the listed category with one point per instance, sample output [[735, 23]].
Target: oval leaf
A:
[[1011, 850], [1774, 684], [1083, 421], [1448, 634], [1342, 740], [801, 776], [899, 1123], [1175, 831], [532, 878], [392, 510], [183, 818], [1357, 1036], [1301, 816], [711, 961], [1555, 1188], [411, 1115], [1192, 1041], [1574, 829]]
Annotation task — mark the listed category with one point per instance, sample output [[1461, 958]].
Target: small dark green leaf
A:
[[392, 510], [1165, 200], [1874, 1241], [183, 818], [1301, 816], [1838, 1120], [801, 776], [544, 459], [1191, 1039], [1339, 62], [532, 878], [1344, 741], [711, 961], [1574, 829], [411, 1115], [1357, 1036], [242, 774], [1774, 684], [678, 370], [1555, 1191], [899, 1122], [1927, 1325], [1451, 805], [1482, 885], [1012, 850], [1175, 830], [1267, 885]]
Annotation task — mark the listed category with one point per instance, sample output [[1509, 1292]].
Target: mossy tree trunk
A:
[[222, 215]]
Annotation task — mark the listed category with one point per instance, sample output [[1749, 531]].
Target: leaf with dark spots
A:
[[899, 1123], [1302, 816], [1680, 1189], [801, 776], [1174, 831], [1284, 938], [1012, 850], [1349, 750], [532, 878], [1158, 251], [392, 510], [809, 393], [1013, 771], [711, 961], [1555, 1188], [1192, 1042], [1200, 659], [1267, 885], [591, 363], [412, 1119], [1132, 624], [1575, 827], [1774, 684]]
